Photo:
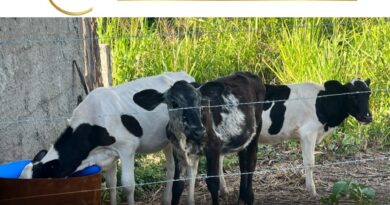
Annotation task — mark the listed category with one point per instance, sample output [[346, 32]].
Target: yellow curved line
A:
[[70, 13]]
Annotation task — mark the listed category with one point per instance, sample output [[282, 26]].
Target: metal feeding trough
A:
[[73, 190]]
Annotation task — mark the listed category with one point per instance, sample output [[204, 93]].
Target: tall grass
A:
[[281, 50], [176, 44], [347, 49]]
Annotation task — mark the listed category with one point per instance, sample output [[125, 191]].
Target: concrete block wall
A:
[[38, 86]]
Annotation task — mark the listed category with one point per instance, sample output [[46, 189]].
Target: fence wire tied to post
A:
[[62, 118], [204, 177]]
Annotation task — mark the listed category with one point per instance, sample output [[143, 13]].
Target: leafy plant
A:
[[359, 193]]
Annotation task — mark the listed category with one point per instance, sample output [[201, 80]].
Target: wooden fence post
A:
[[91, 54], [105, 59]]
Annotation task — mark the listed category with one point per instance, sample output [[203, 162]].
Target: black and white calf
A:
[[213, 131], [106, 126], [308, 117]]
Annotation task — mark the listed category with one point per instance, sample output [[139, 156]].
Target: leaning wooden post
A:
[[91, 54]]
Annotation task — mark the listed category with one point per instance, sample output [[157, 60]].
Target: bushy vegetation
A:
[[360, 194], [281, 50]]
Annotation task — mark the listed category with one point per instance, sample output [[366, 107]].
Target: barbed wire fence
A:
[[59, 40]]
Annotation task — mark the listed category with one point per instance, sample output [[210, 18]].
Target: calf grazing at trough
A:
[[307, 116], [213, 131], [109, 125]]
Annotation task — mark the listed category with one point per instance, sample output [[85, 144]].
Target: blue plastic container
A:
[[12, 170]]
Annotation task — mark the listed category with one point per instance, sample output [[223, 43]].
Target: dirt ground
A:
[[285, 184]]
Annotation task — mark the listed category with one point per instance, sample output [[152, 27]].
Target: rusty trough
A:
[[74, 190]]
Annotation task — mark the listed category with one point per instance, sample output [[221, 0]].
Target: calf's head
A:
[[184, 103], [356, 102], [67, 153]]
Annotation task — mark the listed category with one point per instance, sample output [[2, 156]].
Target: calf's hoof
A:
[[246, 199], [223, 193], [314, 194]]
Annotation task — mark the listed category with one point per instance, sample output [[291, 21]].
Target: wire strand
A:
[[62, 118], [204, 177], [166, 34], [60, 40]]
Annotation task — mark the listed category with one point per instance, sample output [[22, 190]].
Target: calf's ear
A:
[[103, 138], [212, 89], [368, 81], [333, 85], [148, 99], [195, 84], [38, 157]]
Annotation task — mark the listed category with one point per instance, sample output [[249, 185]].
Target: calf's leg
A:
[[192, 170], [170, 166], [244, 176], [308, 145], [128, 182], [111, 179], [178, 184], [247, 159], [222, 183], [251, 166], [212, 180]]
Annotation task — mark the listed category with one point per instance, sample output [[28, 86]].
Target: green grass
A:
[[281, 50]]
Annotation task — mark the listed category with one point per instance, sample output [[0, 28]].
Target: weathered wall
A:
[[38, 87]]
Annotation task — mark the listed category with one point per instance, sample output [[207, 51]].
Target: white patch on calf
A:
[[102, 157], [188, 151], [232, 121], [300, 115], [27, 172]]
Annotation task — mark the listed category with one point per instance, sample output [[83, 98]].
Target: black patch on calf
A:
[[278, 110], [44, 170], [247, 88], [234, 143], [331, 110], [266, 106], [212, 96], [178, 185], [132, 125], [216, 109], [212, 89], [358, 104], [195, 84], [148, 99], [73, 147]]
